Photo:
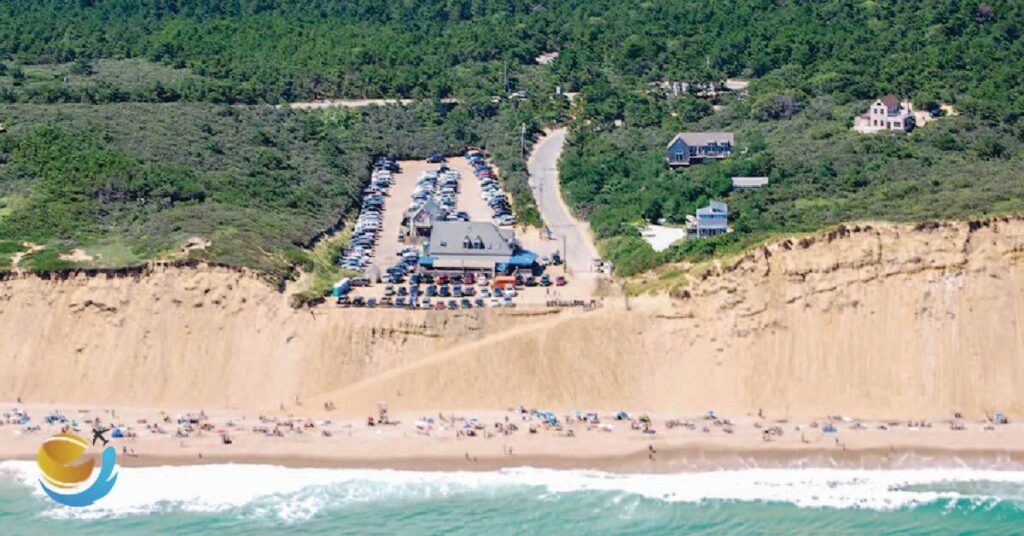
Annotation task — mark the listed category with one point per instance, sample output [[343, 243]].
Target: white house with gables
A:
[[886, 113]]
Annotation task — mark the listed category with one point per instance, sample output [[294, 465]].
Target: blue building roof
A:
[[523, 258]]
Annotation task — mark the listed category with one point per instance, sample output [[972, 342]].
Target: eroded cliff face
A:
[[870, 321], [199, 337], [881, 320]]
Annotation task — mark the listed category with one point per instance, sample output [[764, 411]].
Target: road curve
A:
[[578, 249]]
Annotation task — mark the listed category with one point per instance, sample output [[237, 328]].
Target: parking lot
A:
[[480, 199], [403, 184], [469, 200], [365, 237]]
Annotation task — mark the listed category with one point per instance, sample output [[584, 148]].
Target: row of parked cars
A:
[[441, 292], [492, 192], [368, 225], [442, 186], [400, 302], [408, 259]]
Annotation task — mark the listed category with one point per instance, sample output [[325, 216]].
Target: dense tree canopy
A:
[[962, 51]]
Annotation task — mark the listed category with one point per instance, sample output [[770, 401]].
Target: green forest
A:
[[132, 182], [273, 50], [134, 124]]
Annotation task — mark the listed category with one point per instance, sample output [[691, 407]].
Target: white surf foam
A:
[[296, 494]]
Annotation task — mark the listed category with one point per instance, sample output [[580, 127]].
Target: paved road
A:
[[579, 250]]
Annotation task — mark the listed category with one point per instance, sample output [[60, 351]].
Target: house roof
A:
[[703, 138], [713, 208], [749, 182], [470, 238], [890, 100], [430, 207], [736, 84]]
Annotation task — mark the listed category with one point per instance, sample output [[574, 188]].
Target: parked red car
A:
[[560, 281]]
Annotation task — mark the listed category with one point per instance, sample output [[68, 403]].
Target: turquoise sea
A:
[[254, 499]]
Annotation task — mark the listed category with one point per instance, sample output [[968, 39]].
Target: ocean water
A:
[[258, 499]]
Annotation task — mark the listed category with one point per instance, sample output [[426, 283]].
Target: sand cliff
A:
[[869, 320]]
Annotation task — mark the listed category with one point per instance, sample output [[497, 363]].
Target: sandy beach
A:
[[491, 440]]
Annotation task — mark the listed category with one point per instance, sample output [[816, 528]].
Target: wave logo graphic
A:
[[62, 477]]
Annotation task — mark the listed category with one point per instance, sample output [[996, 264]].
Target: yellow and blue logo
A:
[[63, 478]]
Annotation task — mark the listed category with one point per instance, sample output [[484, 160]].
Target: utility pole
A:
[[522, 139], [565, 252], [540, 198], [505, 76]]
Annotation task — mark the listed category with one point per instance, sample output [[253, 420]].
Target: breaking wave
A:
[[265, 491]]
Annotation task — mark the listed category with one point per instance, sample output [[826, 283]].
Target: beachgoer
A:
[[97, 433]]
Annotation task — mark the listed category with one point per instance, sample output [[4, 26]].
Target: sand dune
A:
[[870, 321]]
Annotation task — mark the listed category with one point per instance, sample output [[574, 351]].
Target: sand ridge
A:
[[872, 321]]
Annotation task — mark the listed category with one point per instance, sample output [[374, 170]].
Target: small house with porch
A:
[[711, 220], [420, 220], [688, 147]]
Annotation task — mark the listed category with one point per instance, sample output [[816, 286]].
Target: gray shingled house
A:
[[687, 147]]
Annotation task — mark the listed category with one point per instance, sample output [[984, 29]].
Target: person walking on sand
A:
[[97, 433]]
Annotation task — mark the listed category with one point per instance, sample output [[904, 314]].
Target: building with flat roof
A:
[[460, 245], [749, 182]]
